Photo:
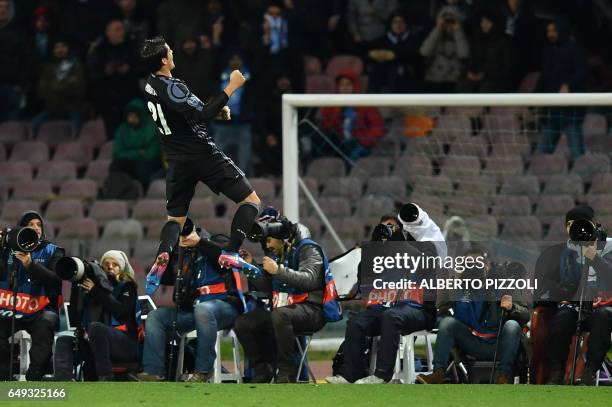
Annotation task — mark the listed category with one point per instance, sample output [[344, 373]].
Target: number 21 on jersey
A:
[[157, 113]]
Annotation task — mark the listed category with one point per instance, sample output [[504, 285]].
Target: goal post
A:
[[292, 102]]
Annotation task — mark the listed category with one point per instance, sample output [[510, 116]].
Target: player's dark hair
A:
[[152, 52]]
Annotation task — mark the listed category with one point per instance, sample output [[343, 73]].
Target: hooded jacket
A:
[[38, 287], [62, 85], [368, 125], [130, 141]]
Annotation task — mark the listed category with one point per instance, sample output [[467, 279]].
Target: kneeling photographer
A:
[[577, 285], [207, 302], [26, 263], [295, 277], [104, 308], [390, 312]]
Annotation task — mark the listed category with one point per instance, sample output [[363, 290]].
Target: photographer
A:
[[37, 290], [474, 324], [407, 313], [207, 303], [296, 282], [110, 318], [563, 270]]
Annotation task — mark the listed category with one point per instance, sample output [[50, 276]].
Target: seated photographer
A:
[[475, 323], [207, 303], [110, 317], [583, 261], [296, 283], [407, 312], [37, 289]]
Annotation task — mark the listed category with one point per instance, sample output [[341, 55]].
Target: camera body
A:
[[76, 270], [584, 231], [19, 239], [279, 228]]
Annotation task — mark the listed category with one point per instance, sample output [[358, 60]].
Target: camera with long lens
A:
[[280, 229], [76, 270], [583, 230], [382, 232], [20, 239], [409, 213]]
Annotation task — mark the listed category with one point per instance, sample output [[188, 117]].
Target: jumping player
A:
[[192, 155]]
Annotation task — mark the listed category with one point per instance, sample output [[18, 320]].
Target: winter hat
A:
[[580, 212], [121, 259]]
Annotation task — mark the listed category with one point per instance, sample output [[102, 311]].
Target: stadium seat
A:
[[601, 184], [321, 168], [84, 189], [201, 208], [521, 185], [157, 189], [346, 187], [13, 132], [98, 170], [335, 207], [433, 205], [78, 228], [408, 167], [371, 167], [149, 209], [427, 146], [312, 184], [93, 133], [55, 132], [129, 229], [320, 84], [503, 167], [602, 204], [467, 206], [594, 124], [106, 151], [569, 184], [146, 250], [348, 229], [393, 187], [469, 146], [522, 228], [440, 186], [314, 224], [64, 209], [451, 128], [544, 165], [3, 155], [509, 206], [589, 164], [101, 246], [214, 226], [557, 230], [460, 167], [266, 190], [34, 152], [108, 210], [75, 151], [339, 63], [551, 207], [57, 172], [496, 127], [370, 208], [312, 65], [13, 209], [38, 190], [482, 227], [15, 172], [516, 144]]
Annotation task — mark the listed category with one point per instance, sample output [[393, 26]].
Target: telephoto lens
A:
[[76, 270], [409, 213], [21, 239]]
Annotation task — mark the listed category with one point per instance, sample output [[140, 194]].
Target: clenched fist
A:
[[237, 79]]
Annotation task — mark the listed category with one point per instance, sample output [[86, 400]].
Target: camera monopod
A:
[[579, 320], [178, 283], [498, 340], [14, 314]]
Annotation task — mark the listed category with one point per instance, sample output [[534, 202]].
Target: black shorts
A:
[[216, 170]]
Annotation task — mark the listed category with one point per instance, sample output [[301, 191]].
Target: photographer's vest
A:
[[31, 298], [208, 281], [476, 314]]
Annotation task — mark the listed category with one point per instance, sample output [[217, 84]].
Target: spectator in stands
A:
[[111, 318], [519, 25], [491, 61], [13, 63], [367, 19], [475, 321], [385, 317], [445, 49], [134, 20], [563, 71], [294, 276], [114, 73], [269, 126], [393, 58], [178, 19], [196, 64], [136, 147], [212, 290], [42, 38], [62, 88], [234, 137], [561, 272], [354, 130], [38, 290]]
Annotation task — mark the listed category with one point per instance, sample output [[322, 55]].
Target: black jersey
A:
[[181, 116]]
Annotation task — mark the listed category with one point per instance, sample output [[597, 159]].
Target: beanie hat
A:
[[121, 259], [580, 212]]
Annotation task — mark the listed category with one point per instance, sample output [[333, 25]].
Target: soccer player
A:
[[192, 155]]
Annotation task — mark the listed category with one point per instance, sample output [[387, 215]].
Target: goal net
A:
[[490, 167]]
